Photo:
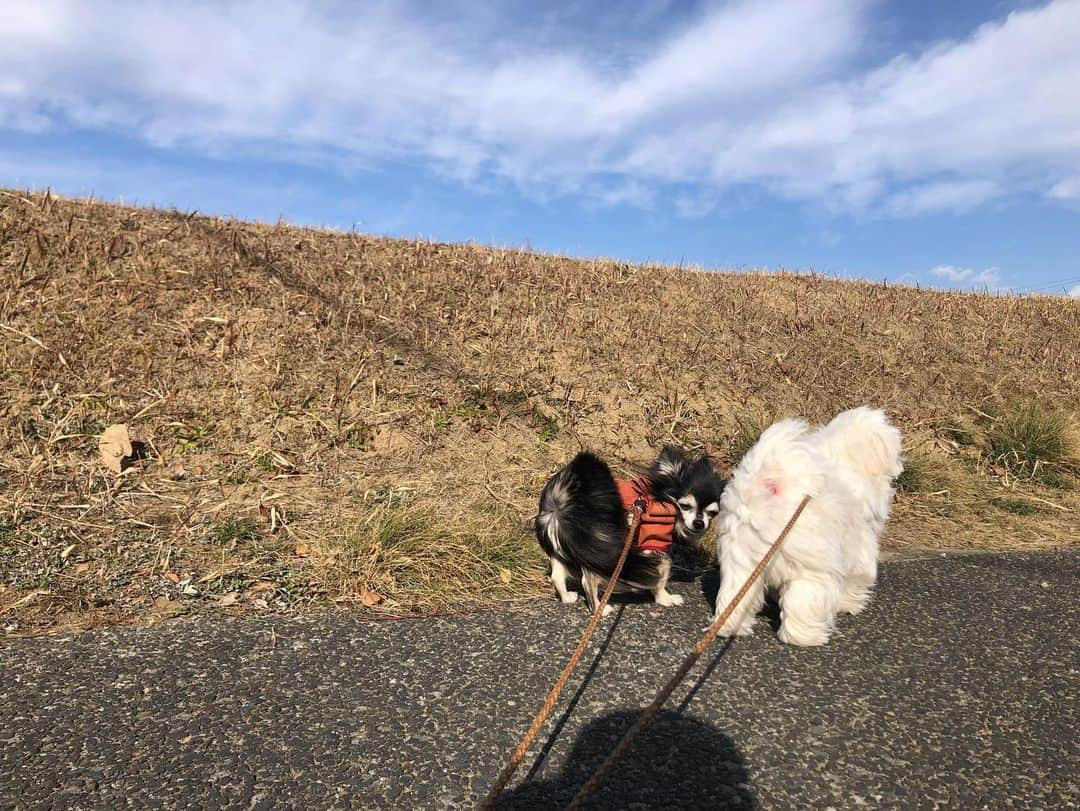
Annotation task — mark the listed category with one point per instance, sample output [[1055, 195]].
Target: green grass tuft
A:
[[234, 529], [1017, 506], [959, 431], [546, 426], [416, 554], [1030, 441], [922, 474]]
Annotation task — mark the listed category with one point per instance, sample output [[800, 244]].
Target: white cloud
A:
[[695, 204], [986, 279], [629, 192], [1068, 189], [962, 195], [1075, 292], [770, 94], [952, 273]]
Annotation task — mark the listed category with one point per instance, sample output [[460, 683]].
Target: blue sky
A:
[[923, 142]]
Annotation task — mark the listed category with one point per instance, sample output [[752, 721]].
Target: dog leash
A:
[[633, 518], [665, 692]]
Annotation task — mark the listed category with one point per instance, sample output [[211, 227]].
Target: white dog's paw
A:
[[806, 639], [852, 608], [607, 612], [666, 598], [729, 628], [569, 598], [853, 603]]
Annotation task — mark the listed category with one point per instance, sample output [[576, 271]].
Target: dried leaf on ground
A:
[[114, 445], [370, 598]]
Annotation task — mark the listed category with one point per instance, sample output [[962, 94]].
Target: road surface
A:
[[957, 687]]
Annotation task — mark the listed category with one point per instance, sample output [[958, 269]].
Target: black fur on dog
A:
[[581, 524]]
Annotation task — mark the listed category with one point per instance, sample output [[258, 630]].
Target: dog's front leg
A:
[[660, 593]]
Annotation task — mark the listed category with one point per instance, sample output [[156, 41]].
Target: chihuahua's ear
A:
[[703, 466], [704, 474], [670, 463]]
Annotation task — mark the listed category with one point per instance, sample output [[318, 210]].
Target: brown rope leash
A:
[[665, 692], [549, 703]]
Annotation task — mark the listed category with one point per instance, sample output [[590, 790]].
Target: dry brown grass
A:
[[302, 393]]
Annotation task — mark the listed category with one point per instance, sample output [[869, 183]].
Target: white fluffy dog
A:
[[828, 563]]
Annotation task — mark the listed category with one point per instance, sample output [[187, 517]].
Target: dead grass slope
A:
[[339, 417]]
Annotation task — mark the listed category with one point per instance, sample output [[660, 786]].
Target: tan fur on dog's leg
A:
[[591, 584], [660, 593], [559, 574]]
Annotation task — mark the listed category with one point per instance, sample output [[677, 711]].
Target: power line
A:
[[1061, 283]]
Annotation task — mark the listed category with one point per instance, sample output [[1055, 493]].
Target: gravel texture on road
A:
[[956, 687]]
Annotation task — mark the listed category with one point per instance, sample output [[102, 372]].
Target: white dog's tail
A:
[[864, 439]]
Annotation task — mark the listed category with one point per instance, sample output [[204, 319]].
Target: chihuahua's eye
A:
[[686, 505]]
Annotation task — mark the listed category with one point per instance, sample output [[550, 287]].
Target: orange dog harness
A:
[[657, 529]]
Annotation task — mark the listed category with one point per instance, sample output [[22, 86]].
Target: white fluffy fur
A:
[[828, 563]]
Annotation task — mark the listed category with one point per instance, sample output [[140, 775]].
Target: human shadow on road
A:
[[676, 762]]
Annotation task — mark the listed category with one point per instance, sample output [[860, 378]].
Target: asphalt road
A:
[[957, 687]]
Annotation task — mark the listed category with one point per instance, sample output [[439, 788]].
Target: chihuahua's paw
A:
[[666, 598], [569, 598]]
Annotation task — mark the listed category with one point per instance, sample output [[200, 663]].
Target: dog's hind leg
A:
[[855, 592], [559, 574], [590, 584], [660, 593], [808, 612], [741, 621], [854, 596]]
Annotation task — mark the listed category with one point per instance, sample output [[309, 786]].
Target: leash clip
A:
[[637, 509]]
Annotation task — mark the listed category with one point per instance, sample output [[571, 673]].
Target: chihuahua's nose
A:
[[699, 524]]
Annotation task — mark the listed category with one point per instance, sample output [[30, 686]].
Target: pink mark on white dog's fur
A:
[[828, 562]]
